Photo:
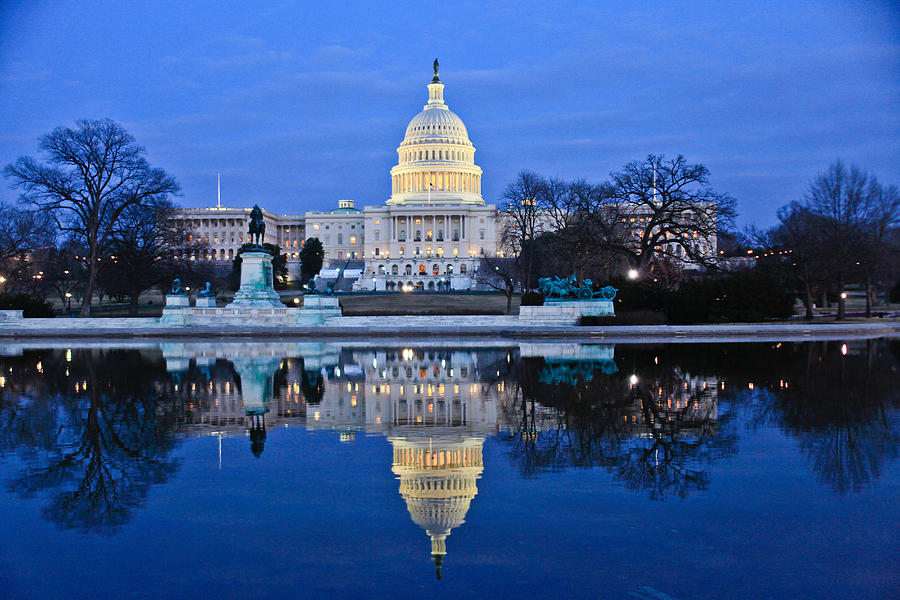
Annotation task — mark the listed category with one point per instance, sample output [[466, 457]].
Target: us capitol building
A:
[[429, 235]]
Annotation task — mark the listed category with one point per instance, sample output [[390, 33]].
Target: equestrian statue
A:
[[257, 226], [567, 288]]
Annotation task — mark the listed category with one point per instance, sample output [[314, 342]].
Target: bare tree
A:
[[501, 274], [661, 207], [521, 220], [147, 249], [94, 172], [22, 233], [853, 218]]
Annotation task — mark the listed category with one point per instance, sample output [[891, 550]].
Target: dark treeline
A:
[[657, 227]]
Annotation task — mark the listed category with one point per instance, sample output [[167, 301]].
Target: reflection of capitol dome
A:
[[436, 161], [437, 480]]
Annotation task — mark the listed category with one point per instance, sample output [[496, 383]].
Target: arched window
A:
[[409, 269], [421, 269], [462, 269], [449, 270], [381, 269], [431, 285], [435, 269], [402, 235], [395, 270], [420, 286]]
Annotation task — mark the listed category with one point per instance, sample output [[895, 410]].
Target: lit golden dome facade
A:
[[436, 161]]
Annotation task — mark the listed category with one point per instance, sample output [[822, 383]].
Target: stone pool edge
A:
[[409, 327]]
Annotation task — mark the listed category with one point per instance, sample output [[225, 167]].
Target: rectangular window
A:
[[352, 239], [377, 251]]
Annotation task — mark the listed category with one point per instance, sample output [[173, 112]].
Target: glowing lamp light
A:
[[843, 295], [844, 349], [633, 379], [632, 274], [296, 300]]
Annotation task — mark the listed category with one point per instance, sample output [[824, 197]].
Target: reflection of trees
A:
[[96, 432], [841, 408], [681, 443], [658, 435]]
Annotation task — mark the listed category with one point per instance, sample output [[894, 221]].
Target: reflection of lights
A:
[[68, 355], [844, 349], [633, 379], [337, 371]]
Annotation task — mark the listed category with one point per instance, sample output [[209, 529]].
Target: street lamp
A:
[[633, 274]]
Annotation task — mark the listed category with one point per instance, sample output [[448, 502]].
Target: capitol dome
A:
[[438, 481], [436, 160]]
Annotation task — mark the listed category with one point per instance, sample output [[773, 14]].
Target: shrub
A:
[[746, 296], [31, 307], [532, 299]]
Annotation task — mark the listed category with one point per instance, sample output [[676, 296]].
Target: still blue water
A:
[[503, 470]]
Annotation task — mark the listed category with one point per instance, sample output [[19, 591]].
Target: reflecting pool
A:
[[234, 469]]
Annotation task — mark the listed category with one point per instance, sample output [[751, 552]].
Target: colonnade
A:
[[436, 181], [425, 228]]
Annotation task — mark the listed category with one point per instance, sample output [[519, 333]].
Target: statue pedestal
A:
[[256, 289], [205, 302], [173, 311], [566, 312], [177, 301], [318, 308]]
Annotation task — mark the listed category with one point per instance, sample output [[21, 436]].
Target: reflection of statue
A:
[[207, 292], [257, 434], [177, 289], [257, 229]]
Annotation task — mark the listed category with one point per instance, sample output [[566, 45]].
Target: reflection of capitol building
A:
[[398, 389], [437, 481], [436, 406]]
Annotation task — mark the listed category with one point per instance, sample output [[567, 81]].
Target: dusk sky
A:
[[299, 104]]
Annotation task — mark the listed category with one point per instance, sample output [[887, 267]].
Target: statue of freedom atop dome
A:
[[436, 65]]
